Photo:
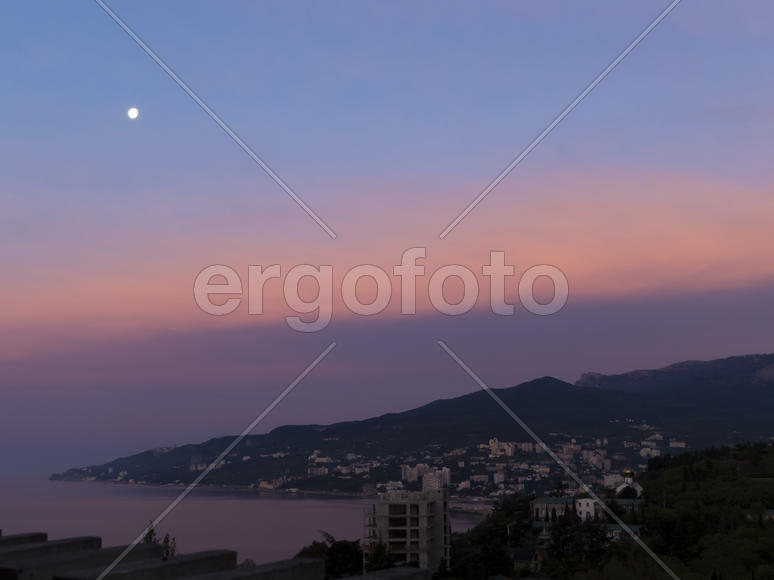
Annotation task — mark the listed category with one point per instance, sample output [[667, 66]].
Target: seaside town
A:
[[487, 470], [495, 467]]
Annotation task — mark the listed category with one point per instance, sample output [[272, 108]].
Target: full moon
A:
[[133, 113]]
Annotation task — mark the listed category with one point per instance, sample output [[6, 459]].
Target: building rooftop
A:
[[547, 499]]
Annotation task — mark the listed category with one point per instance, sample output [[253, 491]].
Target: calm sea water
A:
[[263, 528]]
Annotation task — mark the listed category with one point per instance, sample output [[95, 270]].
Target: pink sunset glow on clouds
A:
[[614, 236]]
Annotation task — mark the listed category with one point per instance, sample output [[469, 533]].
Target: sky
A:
[[653, 197]]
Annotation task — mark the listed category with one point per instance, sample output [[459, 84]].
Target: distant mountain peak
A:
[[702, 376], [589, 380]]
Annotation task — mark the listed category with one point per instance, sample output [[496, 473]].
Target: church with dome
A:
[[629, 488]]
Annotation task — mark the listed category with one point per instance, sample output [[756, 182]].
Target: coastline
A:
[[471, 506], [230, 489]]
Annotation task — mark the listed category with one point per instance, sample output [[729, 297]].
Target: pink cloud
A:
[[616, 235]]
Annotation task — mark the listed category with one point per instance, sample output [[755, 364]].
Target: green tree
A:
[[168, 543], [342, 557], [379, 557], [150, 535], [168, 546]]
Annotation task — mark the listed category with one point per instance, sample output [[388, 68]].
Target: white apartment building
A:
[[436, 479], [415, 473]]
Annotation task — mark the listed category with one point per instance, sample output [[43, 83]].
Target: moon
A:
[[133, 113]]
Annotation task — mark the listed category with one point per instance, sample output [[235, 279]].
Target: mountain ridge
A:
[[641, 379], [704, 403]]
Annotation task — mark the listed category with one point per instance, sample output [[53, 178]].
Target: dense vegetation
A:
[[711, 511], [344, 558], [708, 516], [484, 551]]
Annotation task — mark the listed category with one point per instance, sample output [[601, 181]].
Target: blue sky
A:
[[337, 89]]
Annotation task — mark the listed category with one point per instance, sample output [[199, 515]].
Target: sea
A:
[[261, 527]]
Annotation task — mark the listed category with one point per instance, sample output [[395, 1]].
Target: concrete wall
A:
[[31, 557], [16, 539], [188, 566], [295, 569], [42, 549], [44, 568]]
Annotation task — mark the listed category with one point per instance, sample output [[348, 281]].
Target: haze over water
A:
[[262, 528]]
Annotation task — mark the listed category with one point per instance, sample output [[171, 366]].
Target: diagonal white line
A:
[[218, 120], [555, 457], [558, 119], [237, 440]]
